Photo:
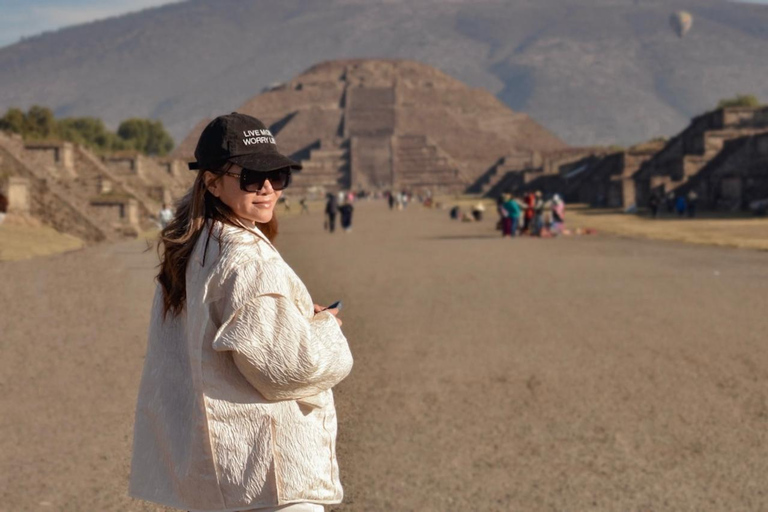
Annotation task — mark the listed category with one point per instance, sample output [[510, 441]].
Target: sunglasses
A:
[[253, 181]]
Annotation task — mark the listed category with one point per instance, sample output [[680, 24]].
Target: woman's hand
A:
[[334, 312]]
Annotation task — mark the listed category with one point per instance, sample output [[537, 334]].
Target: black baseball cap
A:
[[240, 139]]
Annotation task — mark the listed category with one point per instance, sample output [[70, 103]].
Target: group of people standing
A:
[[682, 204], [530, 214]]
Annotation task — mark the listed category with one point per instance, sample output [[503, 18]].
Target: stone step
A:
[[417, 152], [420, 167], [309, 165], [327, 154], [412, 140], [422, 160]]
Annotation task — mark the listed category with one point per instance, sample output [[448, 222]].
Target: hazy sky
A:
[[30, 17]]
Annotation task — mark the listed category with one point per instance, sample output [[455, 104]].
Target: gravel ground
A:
[[581, 373]]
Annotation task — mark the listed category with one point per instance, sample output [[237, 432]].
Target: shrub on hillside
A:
[[740, 100]]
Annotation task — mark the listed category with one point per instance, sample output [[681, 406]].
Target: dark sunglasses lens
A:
[[253, 181], [280, 178]]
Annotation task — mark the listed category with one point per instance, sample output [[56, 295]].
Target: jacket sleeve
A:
[[281, 353]]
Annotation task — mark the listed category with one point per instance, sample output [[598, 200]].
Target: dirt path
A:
[[570, 374]]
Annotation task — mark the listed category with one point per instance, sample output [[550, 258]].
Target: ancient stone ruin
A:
[[67, 187], [722, 155], [388, 124], [685, 155]]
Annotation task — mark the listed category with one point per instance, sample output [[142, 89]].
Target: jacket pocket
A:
[[304, 459], [245, 463]]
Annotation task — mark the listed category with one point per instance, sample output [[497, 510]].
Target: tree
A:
[[39, 123], [740, 100], [143, 135], [90, 132], [146, 136], [13, 121]]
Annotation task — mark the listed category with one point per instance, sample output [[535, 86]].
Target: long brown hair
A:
[[177, 240]]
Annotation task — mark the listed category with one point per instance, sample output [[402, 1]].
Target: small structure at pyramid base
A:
[[736, 179], [387, 125], [687, 154]]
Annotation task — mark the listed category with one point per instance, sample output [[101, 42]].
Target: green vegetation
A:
[[38, 123], [740, 100], [146, 135]]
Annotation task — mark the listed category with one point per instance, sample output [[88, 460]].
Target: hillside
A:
[[611, 71]]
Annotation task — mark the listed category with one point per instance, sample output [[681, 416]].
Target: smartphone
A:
[[335, 305]]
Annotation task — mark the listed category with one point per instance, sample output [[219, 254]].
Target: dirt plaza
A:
[[591, 372]]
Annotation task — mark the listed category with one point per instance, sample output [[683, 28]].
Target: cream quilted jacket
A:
[[235, 409]]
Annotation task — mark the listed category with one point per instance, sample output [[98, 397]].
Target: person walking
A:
[[304, 207], [235, 408], [331, 209], [345, 211]]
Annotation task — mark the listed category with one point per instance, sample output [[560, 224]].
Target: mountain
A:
[[597, 72]]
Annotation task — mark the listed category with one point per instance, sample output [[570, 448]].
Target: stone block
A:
[[18, 195], [131, 213]]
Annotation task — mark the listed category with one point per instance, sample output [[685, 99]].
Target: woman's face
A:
[[250, 207]]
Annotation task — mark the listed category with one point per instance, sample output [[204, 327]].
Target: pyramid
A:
[[388, 124]]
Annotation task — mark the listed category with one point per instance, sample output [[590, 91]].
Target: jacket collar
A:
[[244, 232]]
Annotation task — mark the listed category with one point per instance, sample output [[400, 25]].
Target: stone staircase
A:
[[370, 112], [489, 180], [50, 201], [421, 164], [105, 182], [326, 170]]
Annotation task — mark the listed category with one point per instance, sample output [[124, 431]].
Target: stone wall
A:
[[371, 162]]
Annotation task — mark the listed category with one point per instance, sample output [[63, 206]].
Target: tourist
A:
[[455, 213], [538, 213], [680, 205], [528, 201], [670, 202], [331, 208], [653, 204], [236, 390], [558, 214], [391, 200], [693, 199], [477, 211], [500, 224], [304, 207], [345, 211], [400, 201], [165, 216], [3, 207], [514, 212]]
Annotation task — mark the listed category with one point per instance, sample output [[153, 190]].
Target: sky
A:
[[24, 18]]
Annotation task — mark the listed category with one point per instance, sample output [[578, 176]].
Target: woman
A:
[[235, 409], [558, 215]]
